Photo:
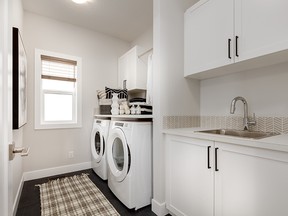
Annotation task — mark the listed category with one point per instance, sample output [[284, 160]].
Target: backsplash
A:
[[263, 123], [180, 121]]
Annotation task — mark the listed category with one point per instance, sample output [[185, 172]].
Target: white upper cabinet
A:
[[226, 36], [262, 27], [132, 69], [208, 35]]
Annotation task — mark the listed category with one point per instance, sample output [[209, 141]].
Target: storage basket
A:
[[105, 109]]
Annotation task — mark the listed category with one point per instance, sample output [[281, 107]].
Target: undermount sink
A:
[[240, 133]]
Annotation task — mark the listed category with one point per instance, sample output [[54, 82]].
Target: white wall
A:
[[265, 90], [145, 40], [180, 96], [189, 3], [99, 53], [173, 94]]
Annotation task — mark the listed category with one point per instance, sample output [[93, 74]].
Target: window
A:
[[57, 90]]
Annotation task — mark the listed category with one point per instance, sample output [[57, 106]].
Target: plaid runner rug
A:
[[74, 196]]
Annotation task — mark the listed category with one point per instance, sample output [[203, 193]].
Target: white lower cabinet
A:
[[250, 181], [189, 182], [241, 180]]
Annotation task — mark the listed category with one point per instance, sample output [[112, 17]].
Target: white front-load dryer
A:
[[129, 161], [99, 137]]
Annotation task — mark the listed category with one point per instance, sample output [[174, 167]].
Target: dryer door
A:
[[118, 154], [97, 143]]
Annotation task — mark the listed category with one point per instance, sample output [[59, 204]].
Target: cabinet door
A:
[[133, 70], [262, 27], [250, 181], [122, 70], [127, 69], [208, 27], [189, 182]]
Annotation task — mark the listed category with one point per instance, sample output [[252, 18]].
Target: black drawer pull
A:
[[208, 157], [237, 46], [229, 48], [216, 160]]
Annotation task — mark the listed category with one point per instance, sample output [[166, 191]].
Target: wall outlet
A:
[[70, 154]]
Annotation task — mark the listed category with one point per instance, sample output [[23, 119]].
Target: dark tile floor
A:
[[29, 204]]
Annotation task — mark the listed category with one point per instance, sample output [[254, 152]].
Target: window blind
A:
[[58, 69]]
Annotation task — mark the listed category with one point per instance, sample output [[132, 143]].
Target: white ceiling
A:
[[189, 3], [124, 19]]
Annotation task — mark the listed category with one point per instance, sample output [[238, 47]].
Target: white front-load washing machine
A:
[[129, 158], [99, 137]]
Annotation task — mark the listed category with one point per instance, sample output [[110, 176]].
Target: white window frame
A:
[[39, 93]]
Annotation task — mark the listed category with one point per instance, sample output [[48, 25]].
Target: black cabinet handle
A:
[[208, 157], [236, 46], [229, 48], [216, 160]]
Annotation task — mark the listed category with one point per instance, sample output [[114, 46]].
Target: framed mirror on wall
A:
[[19, 83]]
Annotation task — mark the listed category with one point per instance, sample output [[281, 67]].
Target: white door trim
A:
[[4, 126]]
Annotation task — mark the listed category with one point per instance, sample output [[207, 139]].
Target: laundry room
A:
[[96, 43], [143, 107]]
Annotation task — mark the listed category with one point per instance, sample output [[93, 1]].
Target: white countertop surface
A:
[[278, 142], [125, 116]]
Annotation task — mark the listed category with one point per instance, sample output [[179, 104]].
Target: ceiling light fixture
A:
[[79, 1]]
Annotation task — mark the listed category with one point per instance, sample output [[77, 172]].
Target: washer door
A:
[[118, 154], [97, 143]]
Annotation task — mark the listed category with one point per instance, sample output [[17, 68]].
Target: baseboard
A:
[[18, 195], [159, 208], [55, 171]]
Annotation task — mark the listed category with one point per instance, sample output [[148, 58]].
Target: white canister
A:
[[138, 110], [133, 110], [115, 105]]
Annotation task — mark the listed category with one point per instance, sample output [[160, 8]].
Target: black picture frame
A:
[[19, 80]]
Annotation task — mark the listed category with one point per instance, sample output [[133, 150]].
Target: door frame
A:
[[4, 107]]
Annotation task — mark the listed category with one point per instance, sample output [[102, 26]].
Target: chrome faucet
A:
[[246, 120]]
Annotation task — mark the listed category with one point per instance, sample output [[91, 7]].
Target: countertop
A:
[[277, 143], [117, 117]]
